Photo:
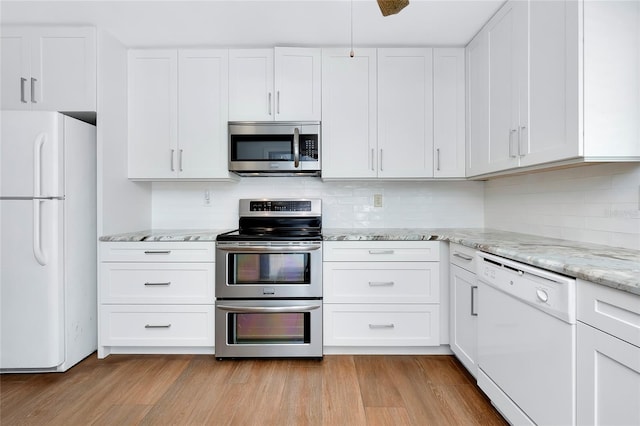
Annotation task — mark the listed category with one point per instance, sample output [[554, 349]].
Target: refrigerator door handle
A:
[[39, 254], [38, 143]]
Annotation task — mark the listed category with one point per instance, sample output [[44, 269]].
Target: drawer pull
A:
[[157, 252], [378, 326], [157, 326], [463, 256], [158, 284], [381, 251], [381, 283]]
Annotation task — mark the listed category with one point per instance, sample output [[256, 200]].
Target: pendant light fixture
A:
[[391, 7]]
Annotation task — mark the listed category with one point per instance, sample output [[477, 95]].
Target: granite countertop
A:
[[611, 266], [165, 235]]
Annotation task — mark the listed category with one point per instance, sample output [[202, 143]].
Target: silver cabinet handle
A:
[[522, 151], [278, 102], [462, 256], [173, 152], [157, 326], [511, 133], [23, 81], [272, 309], [157, 251], [381, 251], [438, 159], [373, 164], [33, 90], [381, 283], [378, 326], [474, 313], [296, 146], [381, 160], [157, 284], [180, 160], [269, 102]]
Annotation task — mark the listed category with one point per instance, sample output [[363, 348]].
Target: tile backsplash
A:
[[345, 204], [597, 204]]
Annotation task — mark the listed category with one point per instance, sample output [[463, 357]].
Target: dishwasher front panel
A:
[[529, 355]]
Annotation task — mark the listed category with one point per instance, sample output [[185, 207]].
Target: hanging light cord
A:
[[351, 52]]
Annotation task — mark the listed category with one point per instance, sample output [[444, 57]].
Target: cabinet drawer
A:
[[382, 251], [384, 282], [140, 325], [157, 282], [157, 251], [381, 325], [613, 311], [463, 256]]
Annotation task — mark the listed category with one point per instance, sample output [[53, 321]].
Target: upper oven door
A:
[[274, 147], [259, 270]]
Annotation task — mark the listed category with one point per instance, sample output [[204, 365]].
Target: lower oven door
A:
[[268, 328]]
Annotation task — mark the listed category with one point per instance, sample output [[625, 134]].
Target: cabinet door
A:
[[503, 96], [405, 113], [297, 83], [477, 53], [63, 66], [15, 74], [153, 133], [349, 123], [608, 376], [202, 113], [464, 327], [448, 113], [251, 94]]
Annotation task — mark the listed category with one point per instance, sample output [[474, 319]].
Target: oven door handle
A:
[[269, 248], [267, 309]]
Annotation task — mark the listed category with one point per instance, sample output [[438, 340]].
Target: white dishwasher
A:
[[527, 341]]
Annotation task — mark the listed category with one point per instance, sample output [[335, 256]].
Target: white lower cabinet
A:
[[156, 297], [608, 364], [381, 296], [463, 324]]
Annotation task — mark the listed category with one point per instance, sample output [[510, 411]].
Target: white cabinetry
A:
[[178, 109], [156, 297], [562, 83], [464, 318], [395, 113], [608, 365], [264, 89], [48, 68], [381, 296]]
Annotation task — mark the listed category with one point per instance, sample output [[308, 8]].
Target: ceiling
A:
[[241, 23]]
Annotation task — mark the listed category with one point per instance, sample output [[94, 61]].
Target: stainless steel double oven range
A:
[[269, 281]]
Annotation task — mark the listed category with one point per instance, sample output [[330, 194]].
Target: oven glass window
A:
[[269, 268], [269, 328]]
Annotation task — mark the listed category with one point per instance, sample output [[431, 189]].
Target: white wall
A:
[[597, 204], [345, 204]]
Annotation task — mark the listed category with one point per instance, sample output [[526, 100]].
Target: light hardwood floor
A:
[[195, 390]]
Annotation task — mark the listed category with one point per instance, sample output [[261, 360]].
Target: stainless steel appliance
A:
[[275, 148], [269, 281], [527, 341]]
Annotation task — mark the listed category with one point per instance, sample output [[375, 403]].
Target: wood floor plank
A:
[[198, 390]]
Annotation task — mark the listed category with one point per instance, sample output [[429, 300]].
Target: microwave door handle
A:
[[296, 147]]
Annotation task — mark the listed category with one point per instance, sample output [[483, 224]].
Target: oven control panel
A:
[[280, 206], [289, 207]]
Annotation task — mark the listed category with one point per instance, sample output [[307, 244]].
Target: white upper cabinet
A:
[[178, 108], [275, 84], [562, 83], [48, 68], [448, 113], [349, 106], [379, 108], [405, 113]]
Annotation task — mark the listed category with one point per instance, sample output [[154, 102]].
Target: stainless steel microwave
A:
[[275, 148]]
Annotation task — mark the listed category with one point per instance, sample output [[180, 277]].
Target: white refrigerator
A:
[[47, 241]]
